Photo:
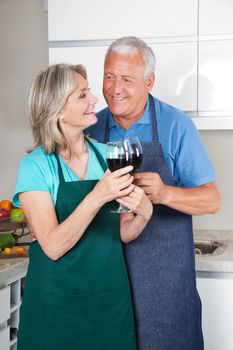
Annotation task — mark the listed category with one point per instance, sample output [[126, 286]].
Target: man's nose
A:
[[117, 86]]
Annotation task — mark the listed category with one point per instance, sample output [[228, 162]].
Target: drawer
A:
[[4, 304], [4, 338]]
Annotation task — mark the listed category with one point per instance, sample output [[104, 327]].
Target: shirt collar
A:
[[145, 118]]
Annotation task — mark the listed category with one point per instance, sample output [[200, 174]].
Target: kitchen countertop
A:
[[220, 261], [12, 268]]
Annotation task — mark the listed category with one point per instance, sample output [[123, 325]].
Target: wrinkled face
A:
[[79, 107], [124, 87]]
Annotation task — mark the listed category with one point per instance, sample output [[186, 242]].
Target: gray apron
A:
[[161, 268]]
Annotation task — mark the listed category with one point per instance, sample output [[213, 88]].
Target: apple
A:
[[4, 213], [17, 215]]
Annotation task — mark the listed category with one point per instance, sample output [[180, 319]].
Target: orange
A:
[[20, 250], [7, 250], [6, 204]]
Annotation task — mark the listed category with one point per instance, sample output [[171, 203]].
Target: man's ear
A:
[[151, 81]]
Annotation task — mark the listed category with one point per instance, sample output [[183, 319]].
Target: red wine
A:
[[136, 161], [117, 163]]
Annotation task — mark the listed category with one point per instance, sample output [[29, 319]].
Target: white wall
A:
[[219, 144], [23, 52]]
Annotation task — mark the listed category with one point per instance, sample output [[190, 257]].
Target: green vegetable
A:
[[6, 241]]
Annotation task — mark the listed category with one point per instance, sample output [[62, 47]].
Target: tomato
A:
[[6, 204], [4, 213]]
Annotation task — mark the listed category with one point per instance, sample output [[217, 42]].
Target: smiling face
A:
[[78, 110], [124, 86]]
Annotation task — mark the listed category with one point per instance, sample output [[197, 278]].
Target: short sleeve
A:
[[192, 164], [31, 177]]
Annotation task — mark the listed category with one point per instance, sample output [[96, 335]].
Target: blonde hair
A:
[[47, 95]]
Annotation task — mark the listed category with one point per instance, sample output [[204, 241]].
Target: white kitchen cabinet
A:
[[215, 17], [100, 19], [4, 338], [176, 74], [92, 58], [10, 299], [176, 71], [216, 292], [4, 304], [192, 40], [215, 77]]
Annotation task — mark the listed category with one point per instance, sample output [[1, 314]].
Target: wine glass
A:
[[119, 155], [136, 152]]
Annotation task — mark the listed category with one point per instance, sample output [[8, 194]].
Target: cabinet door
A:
[[101, 19], [4, 304], [176, 71], [215, 76], [176, 74], [4, 339], [217, 312], [215, 17], [92, 58]]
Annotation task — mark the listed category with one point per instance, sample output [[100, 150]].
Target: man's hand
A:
[[152, 185], [199, 200]]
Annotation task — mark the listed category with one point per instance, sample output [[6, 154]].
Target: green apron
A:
[[82, 301]]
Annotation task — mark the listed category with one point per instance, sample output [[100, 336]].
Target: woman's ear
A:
[[61, 118]]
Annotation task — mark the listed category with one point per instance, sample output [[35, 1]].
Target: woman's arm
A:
[[131, 225], [56, 239]]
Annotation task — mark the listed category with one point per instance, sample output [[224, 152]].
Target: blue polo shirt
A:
[[182, 147]]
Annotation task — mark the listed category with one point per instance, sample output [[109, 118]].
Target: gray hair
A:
[[47, 95], [129, 44]]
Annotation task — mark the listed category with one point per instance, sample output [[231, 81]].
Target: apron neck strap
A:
[[106, 129], [60, 173], [153, 118], [98, 155]]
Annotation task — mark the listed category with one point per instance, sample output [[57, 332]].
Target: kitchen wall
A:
[[24, 52]]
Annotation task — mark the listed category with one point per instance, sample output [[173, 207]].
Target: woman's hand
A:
[[132, 225], [138, 202], [114, 185]]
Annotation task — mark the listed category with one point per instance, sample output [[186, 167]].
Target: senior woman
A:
[[77, 293]]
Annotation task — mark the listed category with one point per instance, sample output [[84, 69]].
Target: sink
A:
[[206, 248]]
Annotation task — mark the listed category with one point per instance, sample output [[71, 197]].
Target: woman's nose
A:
[[93, 99]]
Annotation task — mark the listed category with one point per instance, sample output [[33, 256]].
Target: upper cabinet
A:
[[192, 41], [176, 64], [92, 58], [216, 77], [215, 17], [101, 19], [176, 74]]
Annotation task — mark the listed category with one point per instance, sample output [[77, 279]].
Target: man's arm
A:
[[204, 199]]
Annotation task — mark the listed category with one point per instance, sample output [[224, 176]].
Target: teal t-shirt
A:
[[38, 171]]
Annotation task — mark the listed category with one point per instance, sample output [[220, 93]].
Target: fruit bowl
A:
[[7, 224]]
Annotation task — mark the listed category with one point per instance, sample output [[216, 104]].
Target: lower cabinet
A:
[[216, 292], [215, 289], [10, 299]]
